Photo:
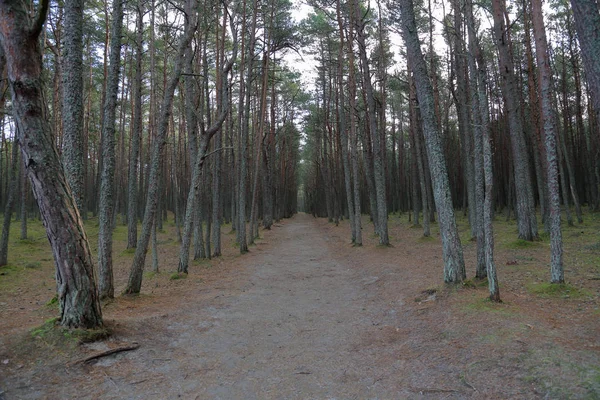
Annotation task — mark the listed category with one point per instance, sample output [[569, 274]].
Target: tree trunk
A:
[[353, 132], [24, 191], [454, 265], [526, 216], [106, 206], [587, 22], [136, 274], [136, 135], [72, 106], [378, 144], [10, 203], [77, 291], [541, 51]]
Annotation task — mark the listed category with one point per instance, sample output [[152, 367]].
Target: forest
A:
[[205, 114], [249, 147]]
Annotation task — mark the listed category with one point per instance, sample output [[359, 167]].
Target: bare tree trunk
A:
[[72, 105], [587, 23], [526, 217], [10, 202], [77, 291], [454, 265], [24, 191], [541, 51], [106, 206], [194, 193], [353, 132], [341, 123], [378, 144], [136, 274], [416, 132], [134, 155]]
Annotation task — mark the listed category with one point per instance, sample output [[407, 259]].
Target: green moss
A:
[[43, 330], [475, 283], [485, 305], [53, 302], [87, 335], [177, 275], [53, 334], [563, 290]]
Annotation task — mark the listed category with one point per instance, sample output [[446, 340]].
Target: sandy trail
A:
[[291, 325], [306, 316]]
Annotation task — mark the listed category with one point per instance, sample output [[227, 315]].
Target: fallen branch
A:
[[116, 350]]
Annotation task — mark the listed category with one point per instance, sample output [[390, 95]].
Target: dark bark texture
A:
[[77, 291]]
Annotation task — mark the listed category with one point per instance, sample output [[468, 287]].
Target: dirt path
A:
[[290, 329], [306, 316]]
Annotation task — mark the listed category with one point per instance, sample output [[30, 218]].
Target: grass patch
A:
[[53, 302], [53, 334], [151, 274], [521, 244], [563, 290], [178, 275], [475, 283], [486, 305]]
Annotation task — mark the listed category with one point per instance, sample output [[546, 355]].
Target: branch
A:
[[40, 18], [216, 150], [96, 356]]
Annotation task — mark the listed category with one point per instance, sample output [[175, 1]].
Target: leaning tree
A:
[[20, 39]]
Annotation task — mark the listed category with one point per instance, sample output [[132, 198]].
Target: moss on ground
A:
[[564, 290]]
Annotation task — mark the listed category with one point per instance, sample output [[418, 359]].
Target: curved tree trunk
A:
[[134, 284], [77, 291]]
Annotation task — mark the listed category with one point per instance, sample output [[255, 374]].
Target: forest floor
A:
[[305, 315]]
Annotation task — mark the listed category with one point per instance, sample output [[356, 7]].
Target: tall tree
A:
[[72, 105], [10, 202], [378, 143], [526, 216], [107, 203], [454, 265], [134, 283], [587, 23], [136, 134], [20, 38], [550, 140]]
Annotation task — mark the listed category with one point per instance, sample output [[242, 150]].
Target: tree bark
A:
[[136, 134], [77, 291], [378, 143], [10, 203], [545, 85], [587, 23], [454, 265], [136, 274], [526, 216], [72, 105], [107, 204]]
